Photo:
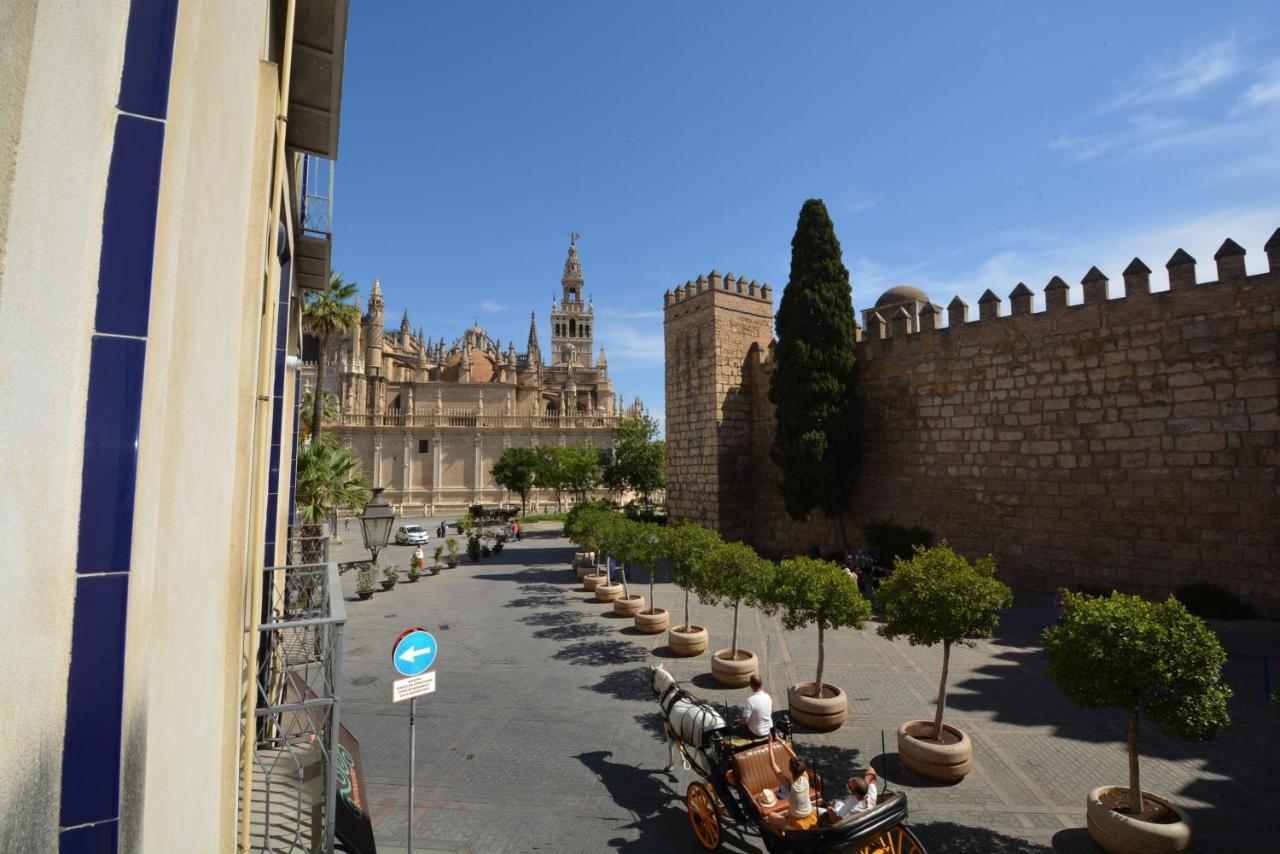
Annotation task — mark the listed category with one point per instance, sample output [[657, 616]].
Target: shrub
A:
[[451, 545], [391, 574], [1150, 659], [939, 597], [888, 541], [732, 574], [688, 546], [366, 578], [473, 548], [1213, 602]]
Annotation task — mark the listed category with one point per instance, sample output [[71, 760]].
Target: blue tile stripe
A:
[[89, 808]]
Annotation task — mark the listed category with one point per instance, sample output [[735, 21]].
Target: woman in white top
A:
[[797, 813], [862, 796]]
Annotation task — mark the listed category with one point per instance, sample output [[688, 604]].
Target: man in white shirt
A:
[[862, 796], [757, 715]]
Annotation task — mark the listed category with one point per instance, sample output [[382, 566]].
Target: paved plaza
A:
[[543, 734]]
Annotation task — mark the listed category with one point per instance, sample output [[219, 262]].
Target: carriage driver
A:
[[757, 715]]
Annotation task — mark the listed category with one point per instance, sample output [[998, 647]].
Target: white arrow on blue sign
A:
[[414, 652]]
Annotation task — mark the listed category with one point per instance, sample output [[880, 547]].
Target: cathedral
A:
[[428, 419]]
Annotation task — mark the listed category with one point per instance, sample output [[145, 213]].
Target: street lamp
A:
[[376, 522]]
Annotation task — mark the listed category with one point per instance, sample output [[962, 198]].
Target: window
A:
[[424, 446]]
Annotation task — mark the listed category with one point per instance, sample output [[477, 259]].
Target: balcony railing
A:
[[295, 673], [315, 205], [481, 419]]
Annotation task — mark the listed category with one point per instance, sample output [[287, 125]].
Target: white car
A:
[[411, 535]]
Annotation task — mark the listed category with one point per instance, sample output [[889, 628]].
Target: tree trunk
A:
[[1135, 786], [942, 692], [686, 609], [317, 395], [651, 605], [820, 660], [733, 643]]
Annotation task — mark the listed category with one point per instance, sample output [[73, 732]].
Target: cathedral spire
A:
[[533, 337]]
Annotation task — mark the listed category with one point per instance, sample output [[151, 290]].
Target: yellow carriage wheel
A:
[[704, 817], [895, 840]]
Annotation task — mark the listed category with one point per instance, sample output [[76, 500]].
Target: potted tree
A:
[[473, 548], [366, 579], [416, 568], [615, 540], [390, 575], [594, 523], [688, 546], [735, 574], [435, 559], [939, 597], [644, 544], [1151, 659], [812, 591], [451, 546]]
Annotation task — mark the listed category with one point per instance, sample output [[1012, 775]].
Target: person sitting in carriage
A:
[[757, 715], [862, 797], [797, 812]]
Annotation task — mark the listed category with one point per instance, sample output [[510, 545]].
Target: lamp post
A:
[[375, 523]]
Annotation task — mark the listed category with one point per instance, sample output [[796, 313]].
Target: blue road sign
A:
[[414, 652]]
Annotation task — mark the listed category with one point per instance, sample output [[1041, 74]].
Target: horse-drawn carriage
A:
[[734, 770]]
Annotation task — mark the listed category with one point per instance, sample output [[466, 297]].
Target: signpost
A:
[[412, 656]]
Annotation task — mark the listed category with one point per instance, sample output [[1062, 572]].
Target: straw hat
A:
[[768, 798]]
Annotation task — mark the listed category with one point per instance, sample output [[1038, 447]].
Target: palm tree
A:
[[327, 480], [328, 409], [327, 313]]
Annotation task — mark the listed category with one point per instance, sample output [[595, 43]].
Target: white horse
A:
[[687, 720]]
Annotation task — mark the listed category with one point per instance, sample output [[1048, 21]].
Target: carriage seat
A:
[[753, 770]]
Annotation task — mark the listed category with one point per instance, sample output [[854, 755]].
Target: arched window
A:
[[571, 325]]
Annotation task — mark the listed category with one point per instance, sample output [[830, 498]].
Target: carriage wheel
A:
[[703, 815], [895, 840]]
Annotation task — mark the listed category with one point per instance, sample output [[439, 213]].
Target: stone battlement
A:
[[1130, 440], [715, 283]]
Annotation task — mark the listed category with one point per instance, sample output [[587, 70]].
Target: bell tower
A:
[[572, 320]]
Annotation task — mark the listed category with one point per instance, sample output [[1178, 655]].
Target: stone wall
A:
[[1128, 441]]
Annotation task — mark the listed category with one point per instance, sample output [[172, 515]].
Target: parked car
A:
[[412, 535]]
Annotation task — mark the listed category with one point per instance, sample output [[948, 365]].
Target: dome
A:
[[901, 293]]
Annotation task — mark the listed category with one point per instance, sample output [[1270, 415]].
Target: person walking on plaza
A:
[[515, 529], [757, 715]]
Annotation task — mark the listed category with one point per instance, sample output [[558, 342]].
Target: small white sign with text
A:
[[413, 686]]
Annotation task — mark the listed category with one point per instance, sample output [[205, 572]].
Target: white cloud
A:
[[1265, 92], [1183, 78], [626, 344], [491, 307]]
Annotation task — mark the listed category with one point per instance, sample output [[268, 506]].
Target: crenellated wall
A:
[[1128, 440]]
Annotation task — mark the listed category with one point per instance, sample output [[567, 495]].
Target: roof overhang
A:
[[315, 86]]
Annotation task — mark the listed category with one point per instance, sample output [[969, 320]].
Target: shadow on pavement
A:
[[600, 653], [625, 685], [944, 837]]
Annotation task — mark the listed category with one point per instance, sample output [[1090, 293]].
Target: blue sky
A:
[[958, 146]]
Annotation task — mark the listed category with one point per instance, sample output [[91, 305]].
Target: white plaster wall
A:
[[57, 125], [190, 530]]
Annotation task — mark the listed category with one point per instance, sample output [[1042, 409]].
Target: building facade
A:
[[157, 209], [1132, 440], [428, 419]]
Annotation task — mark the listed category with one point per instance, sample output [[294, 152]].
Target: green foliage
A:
[[329, 410], [639, 457], [473, 547], [688, 546], [812, 387], [327, 480], [391, 573], [810, 591], [437, 554], [1214, 602], [451, 546], [367, 577], [575, 468], [640, 544], [939, 597], [517, 470], [734, 574], [1149, 658], [545, 517], [888, 541], [324, 314]]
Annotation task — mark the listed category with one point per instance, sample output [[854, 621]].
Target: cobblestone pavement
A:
[[543, 734]]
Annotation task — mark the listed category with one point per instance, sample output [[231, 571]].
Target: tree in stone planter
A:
[[688, 546], [642, 544], [808, 592], [938, 597], [1151, 659], [734, 574]]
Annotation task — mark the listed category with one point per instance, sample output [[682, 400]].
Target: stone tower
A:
[[713, 328], [572, 320]]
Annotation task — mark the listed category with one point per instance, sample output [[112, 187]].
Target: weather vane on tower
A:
[[574, 237]]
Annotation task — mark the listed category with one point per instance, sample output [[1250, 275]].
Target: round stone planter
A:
[[591, 579], [1117, 833], [945, 762], [734, 672], [587, 559], [820, 713], [606, 592], [653, 621], [687, 643], [628, 606], [584, 569]]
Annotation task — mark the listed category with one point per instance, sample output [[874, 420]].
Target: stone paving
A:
[[543, 734]]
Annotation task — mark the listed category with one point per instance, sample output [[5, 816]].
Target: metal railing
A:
[[295, 676], [315, 202], [480, 419]]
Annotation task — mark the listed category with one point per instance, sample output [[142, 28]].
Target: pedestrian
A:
[[1060, 604], [515, 529]]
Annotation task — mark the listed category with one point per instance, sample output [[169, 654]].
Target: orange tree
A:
[[810, 591]]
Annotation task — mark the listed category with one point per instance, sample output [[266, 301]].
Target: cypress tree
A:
[[812, 388]]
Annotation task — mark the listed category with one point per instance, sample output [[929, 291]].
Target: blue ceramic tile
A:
[[148, 57], [94, 839], [273, 504], [107, 479], [129, 227], [95, 690]]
